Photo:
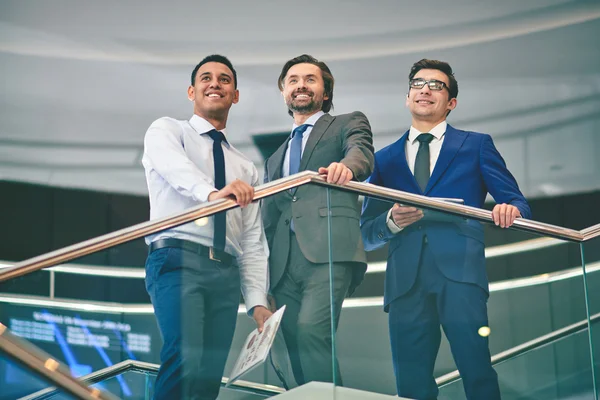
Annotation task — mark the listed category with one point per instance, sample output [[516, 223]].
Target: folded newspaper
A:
[[257, 346]]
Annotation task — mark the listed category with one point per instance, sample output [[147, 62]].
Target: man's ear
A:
[[452, 104], [191, 93], [236, 96]]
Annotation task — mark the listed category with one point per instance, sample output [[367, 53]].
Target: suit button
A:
[[420, 227], [287, 221], [425, 240], [294, 199]]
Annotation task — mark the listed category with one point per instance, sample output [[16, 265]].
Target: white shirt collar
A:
[[202, 126], [312, 120], [437, 131]]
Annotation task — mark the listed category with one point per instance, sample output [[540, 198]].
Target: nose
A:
[[214, 84], [425, 89], [301, 84]]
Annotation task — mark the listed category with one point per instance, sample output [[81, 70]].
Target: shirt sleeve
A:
[[253, 262], [165, 154]]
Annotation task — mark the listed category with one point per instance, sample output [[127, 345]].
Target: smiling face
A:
[[213, 91], [428, 105], [304, 89]]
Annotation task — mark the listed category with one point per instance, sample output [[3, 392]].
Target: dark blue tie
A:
[[422, 168], [296, 148], [220, 219]]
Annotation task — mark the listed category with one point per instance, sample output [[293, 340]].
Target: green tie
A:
[[422, 171]]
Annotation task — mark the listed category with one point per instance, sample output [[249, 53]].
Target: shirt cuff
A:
[[391, 224], [255, 299], [201, 192]]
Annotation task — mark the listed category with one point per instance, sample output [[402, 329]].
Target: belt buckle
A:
[[212, 256]]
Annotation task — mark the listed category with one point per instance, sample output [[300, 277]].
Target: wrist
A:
[[213, 195]]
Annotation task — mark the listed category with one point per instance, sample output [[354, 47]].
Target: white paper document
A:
[[257, 346]]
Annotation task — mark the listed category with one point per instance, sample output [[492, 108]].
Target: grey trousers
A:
[[306, 324]]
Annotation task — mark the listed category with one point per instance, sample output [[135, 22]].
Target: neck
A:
[[299, 119], [425, 126], [218, 121]]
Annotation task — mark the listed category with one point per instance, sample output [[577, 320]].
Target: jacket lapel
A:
[[403, 174], [315, 135], [276, 161], [453, 141]]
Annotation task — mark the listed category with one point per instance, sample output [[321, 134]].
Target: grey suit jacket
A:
[[344, 138]]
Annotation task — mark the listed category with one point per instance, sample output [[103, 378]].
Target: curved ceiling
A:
[[82, 81]]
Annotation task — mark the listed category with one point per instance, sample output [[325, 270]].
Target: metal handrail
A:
[[591, 232], [122, 272], [526, 347], [146, 228], [152, 369], [47, 367], [204, 210], [370, 190]]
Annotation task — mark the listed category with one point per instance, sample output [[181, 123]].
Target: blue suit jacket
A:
[[468, 167]]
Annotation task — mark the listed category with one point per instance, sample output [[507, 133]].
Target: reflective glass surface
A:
[[559, 370], [591, 260], [17, 381], [437, 285]]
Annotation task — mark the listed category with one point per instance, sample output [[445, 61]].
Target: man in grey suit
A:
[[341, 147]]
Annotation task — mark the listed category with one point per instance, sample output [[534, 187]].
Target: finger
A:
[[514, 214], [347, 175], [239, 195], [323, 170], [404, 210], [248, 194], [342, 175], [260, 323], [496, 214], [503, 216], [334, 173]]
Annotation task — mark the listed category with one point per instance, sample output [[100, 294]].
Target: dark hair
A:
[[441, 66], [215, 58], [327, 77]]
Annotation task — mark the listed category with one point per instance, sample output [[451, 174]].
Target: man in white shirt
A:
[[436, 266], [194, 271]]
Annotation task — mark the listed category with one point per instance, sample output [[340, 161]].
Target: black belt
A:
[[212, 253]]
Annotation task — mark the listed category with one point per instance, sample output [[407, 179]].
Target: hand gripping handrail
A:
[[146, 228], [204, 210]]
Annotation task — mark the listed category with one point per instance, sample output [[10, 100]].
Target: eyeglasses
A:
[[433, 84]]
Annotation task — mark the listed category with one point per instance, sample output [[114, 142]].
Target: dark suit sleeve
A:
[[358, 146], [270, 213], [373, 226], [500, 183]]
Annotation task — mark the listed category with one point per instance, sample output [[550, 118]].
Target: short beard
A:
[[305, 109]]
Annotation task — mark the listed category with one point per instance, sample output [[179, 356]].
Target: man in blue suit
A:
[[436, 266]]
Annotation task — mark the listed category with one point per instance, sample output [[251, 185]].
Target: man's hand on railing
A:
[[337, 173], [504, 215], [237, 190], [260, 315]]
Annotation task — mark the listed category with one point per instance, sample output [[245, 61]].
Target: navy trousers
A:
[[414, 323], [196, 302]]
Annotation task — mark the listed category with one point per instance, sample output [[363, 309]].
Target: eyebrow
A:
[[306, 76], [208, 73]]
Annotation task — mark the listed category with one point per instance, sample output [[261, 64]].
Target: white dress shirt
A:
[[412, 148], [178, 160], [311, 121]]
